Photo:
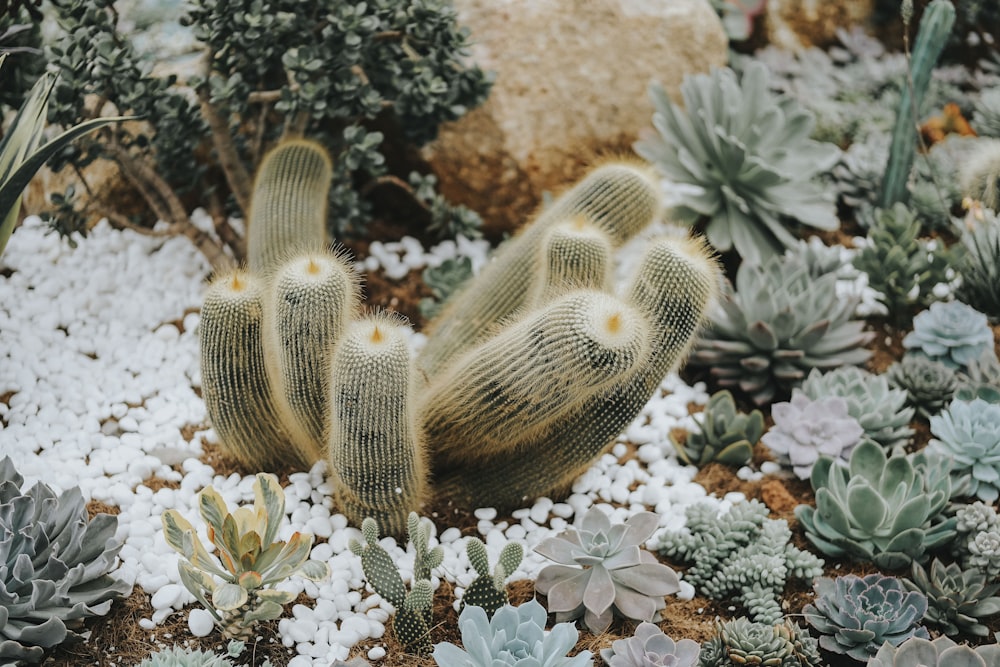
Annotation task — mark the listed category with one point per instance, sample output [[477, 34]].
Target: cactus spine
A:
[[620, 199], [935, 26], [235, 385], [489, 589], [574, 255], [288, 207], [674, 285], [376, 451], [530, 375], [311, 300]]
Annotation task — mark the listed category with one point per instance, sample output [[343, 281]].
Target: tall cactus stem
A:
[[619, 198], [235, 386], [288, 208], [935, 27], [575, 255], [376, 451]]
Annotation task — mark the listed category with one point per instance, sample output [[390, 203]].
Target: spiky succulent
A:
[[741, 555], [603, 570], [979, 265], [957, 599], [968, 434], [878, 407], [929, 384], [856, 615], [514, 637], [951, 332], [175, 656], [743, 642], [650, 647], [884, 510], [748, 152], [900, 266], [777, 325], [806, 428], [821, 258], [54, 566], [940, 652], [723, 434]]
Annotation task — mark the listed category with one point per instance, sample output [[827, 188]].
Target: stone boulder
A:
[[799, 24], [571, 87]]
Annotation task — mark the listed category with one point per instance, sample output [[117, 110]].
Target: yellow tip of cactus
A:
[[312, 267], [376, 336], [236, 284], [580, 223], [614, 323]]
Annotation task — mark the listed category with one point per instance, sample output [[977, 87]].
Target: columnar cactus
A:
[[574, 255], [376, 450], [288, 209], [620, 199], [531, 375]]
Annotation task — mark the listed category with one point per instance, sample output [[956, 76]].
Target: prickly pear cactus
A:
[[489, 589]]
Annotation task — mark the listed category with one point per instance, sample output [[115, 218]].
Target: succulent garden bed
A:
[[817, 485]]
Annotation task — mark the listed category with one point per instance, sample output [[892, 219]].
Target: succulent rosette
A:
[[951, 332], [968, 434], [941, 652], [805, 429], [650, 647]]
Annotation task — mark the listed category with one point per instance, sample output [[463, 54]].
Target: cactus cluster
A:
[[535, 355]]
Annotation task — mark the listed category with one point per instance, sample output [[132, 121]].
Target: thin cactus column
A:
[[530, 375], [619, 198], [234, 381], [674, 285], [288, 207], [310, 302], [376, 451], [574, 255]]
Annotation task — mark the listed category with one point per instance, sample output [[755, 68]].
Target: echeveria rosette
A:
[[602, 570], [856, 615], [968, 434], [514, 637], [957, 599], [749, 154], [805, 429], [877, 508], [941, 652], [650, 647], [951, 332], [929, 384]]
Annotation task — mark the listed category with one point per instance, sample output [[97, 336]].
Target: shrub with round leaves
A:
[[951, 332], [856, 615], [968, 434], [749, 154]]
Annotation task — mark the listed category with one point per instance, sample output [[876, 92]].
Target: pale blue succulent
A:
[[175, 656], [951, 332], [968, 434], [941, 652], [806, 428], [856, 615], [650, 647], [749, 155], [515, 637]]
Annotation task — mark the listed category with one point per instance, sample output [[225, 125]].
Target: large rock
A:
[[799, 24], [571, 85]]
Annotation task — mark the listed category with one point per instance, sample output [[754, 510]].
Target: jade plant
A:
[[749, 154], [251, 560], [723, 434], [602, 571], [292, 373], [55, 567], [740, 555], [877, 508]]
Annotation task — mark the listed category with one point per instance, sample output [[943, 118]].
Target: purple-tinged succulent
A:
[[650, 647], [603, 570], [804, 429]]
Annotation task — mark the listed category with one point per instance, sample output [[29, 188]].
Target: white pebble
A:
[[376, 653], [200, 623]]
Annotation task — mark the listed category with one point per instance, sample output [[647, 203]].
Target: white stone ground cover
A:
[[100, 353]]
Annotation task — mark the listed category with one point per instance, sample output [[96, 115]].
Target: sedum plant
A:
[[878, 508], [903, 268], [740, 554], [879, 409], [778, 324], [951, 332], [603, 570], [940, 652], [175, 656], [929, 385], [856, 615], [514, 637], [250, 560], [968, 434], [723, 434], [806, 428], [748, 153], [743, 642], [55, 566], [489, 589], [978, 262], [650, 647], [957, 599]]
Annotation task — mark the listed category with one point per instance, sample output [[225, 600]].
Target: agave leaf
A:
[[213, 508]]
